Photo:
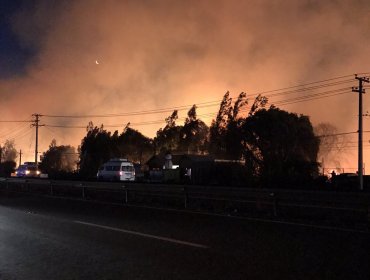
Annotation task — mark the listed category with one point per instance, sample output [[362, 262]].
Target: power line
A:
[[299, 88], [312, 86], [336, 134], [311, 83], [148, 112], [277, 92], [311, 97], [131, 123], [309, 88], [21, 134], [13, 130], [54, 132]]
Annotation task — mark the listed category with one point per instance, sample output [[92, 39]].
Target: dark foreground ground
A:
[[54, 239]]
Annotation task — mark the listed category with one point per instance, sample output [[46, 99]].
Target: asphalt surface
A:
[[55, 239]]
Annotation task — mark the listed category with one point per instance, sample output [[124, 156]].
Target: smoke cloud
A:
[[104, 57]]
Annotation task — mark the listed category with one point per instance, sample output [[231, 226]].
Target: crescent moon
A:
[[96, 62]]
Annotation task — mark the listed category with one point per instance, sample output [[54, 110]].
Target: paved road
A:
[[52, 239]]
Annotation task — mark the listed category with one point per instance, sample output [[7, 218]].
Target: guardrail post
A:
[[186, 198], [126, 194], [274, 204]]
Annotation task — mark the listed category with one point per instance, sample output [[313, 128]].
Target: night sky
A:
[[14, 56], [90, 57]]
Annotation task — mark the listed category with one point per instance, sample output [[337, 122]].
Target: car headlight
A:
[[38, 172], [27, 172]]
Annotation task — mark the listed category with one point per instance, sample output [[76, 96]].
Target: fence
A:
[[352, 208]]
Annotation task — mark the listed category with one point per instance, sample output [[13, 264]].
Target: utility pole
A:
[[37, 125], [360, 91], [20, 157]]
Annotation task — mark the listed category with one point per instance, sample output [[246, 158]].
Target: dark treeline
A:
[[274, 147], [8, 156]]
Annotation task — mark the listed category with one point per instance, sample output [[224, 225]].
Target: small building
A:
[[157, 162], [183, 168], [197, 169], [163, 168]]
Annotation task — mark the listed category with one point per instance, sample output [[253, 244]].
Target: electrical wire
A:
[[337, 134], [137, 113], [12, 130], [22, 134], [298, 89], [54, 132], [310, 97], [17, 133], [209, 115], [308, 87]]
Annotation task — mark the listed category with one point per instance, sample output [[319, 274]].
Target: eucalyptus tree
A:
[[59, 159], [168, 138], [194, 134], [281, 147]]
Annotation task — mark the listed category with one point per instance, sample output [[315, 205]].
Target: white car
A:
[[117, 169]]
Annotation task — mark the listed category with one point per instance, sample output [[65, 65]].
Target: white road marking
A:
[[145, 235]]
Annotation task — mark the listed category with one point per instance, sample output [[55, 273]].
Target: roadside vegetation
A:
[[275, 147]]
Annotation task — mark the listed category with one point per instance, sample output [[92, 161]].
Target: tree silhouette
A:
[[218, 129], [194, 134], [233, 134], [277, 146], [96, 148], [59, 159], [8, 151], [226, 134], [134, 146], [259, 103], [280, 146], [168, 138], [8, 156]]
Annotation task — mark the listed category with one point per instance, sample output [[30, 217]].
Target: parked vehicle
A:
[[28, 169], [117, 170]]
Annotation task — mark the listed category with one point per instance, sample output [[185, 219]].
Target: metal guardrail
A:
[[355, 206]]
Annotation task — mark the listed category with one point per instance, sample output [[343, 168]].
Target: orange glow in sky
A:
[[115, 57]]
